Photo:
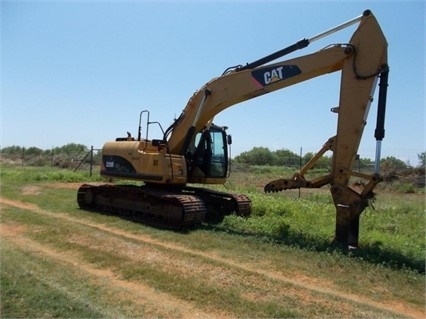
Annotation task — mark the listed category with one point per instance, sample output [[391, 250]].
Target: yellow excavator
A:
[[194, 151]]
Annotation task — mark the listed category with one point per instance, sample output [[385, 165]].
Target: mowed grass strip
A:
[[85, 290], [27, 294], [101, 256], [34, 286], [132, 263]]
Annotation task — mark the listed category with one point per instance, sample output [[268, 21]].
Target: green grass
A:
[[52, 232], [291, 234], [281, 222], [44, 174], [392, 234], [29, 290]]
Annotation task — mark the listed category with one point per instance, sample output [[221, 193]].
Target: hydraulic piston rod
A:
[[302, 43], [379, 133]]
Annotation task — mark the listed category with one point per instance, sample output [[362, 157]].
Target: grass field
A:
[[59, 261]]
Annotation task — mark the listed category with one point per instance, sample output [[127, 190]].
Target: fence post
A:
[[300, 165], [91, 160], [23, 156]]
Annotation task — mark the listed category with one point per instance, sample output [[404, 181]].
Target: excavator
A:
[[193, 150]]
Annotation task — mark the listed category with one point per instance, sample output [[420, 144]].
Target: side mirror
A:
[[229, 139]]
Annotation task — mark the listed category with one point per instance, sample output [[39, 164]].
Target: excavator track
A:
[[142, 204], [219, 204], [173, 208]]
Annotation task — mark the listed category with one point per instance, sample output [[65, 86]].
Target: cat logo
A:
[[269, 75], [274, 75]]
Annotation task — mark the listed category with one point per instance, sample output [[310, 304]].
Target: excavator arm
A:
[[362, 61]]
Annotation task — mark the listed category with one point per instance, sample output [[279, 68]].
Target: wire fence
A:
[[87, 160], [90, 160]]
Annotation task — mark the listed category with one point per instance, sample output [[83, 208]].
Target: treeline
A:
[[263, 156], [65, 156], [260, 156], [392, 169], [68, 154]]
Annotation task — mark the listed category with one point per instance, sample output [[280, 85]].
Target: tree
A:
[[257, 156], [392, 163], [13, 150], [284, 157], [71, 150], [323, 162], [33, 151], [366, 161], [65, 156], [422, 159]]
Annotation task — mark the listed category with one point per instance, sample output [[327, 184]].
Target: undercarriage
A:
[[173, 208]]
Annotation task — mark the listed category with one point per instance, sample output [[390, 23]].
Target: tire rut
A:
[[396, 308], [155, 303]]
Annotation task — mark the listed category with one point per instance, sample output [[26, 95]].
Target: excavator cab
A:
[[208, 160]]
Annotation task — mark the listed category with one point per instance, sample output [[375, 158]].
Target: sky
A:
[[82, 71]]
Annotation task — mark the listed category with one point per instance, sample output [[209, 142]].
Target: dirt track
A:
[[177, 258]]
